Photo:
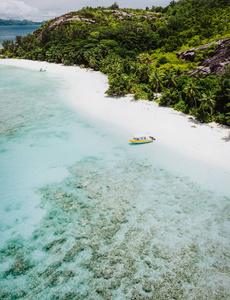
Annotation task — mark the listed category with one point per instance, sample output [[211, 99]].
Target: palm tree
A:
[[170, 78], [156, 81], [117, 67], [92, 62], [207, 102], [87, 55], [143, 72], [191, 90], [130, 67]]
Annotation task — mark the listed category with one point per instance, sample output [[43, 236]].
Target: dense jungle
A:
[[140, 50]]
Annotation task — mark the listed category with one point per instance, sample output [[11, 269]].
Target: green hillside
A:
[[138, 50]]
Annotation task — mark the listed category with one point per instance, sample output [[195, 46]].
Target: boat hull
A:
[[140, 141]]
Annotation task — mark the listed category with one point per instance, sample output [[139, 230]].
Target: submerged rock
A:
[[51, 269], [54, 243], [60, 277], [12, 249], [21, 266], [73, 252], [147, 287], [74, 296], [113, 246], [13, 295]]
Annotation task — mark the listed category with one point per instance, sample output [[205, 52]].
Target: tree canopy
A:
[[137, 49]]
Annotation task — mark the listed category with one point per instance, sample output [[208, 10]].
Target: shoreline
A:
[[86, 92]]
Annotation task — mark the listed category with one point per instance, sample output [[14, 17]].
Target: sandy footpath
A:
[[207, 142]]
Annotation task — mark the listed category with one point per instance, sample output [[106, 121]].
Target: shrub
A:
[[141, 95], [181, 106], [220, 118], [164, 100], [163, 60]]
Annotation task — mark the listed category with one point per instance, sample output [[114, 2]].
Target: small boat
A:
[[42, 70], [142, 139]]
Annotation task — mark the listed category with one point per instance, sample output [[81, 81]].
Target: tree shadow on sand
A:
[[195, 121], [226, 138]]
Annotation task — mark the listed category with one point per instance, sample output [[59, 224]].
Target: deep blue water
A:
[[85, 215], [10, 32]]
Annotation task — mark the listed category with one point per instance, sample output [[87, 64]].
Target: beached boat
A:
[[142, 139]]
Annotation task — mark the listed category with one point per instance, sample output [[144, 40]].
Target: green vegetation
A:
[[137, 49]]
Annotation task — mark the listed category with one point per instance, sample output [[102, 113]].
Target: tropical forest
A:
[[177, 55]]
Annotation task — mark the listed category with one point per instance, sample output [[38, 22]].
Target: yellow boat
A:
[[142, 139]]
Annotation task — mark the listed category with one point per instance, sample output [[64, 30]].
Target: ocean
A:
[[86, 215], [10, 32]]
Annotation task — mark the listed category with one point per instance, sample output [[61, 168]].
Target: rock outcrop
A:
[[216, 62], [65, 18], [88, 18], [121, 15]]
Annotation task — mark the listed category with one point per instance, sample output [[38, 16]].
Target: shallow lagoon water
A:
[[9, 32], [85, 215]]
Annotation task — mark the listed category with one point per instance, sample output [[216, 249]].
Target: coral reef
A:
[[108, 236]]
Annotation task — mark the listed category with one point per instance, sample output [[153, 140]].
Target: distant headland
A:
[[19, 22]]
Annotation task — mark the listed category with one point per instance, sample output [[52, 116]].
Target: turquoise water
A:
[[85, 215], [10, 32]]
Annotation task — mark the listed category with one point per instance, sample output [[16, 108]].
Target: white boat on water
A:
[[42, 70], [142, 139]]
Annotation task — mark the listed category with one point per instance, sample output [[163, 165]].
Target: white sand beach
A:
[[207, 142]]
